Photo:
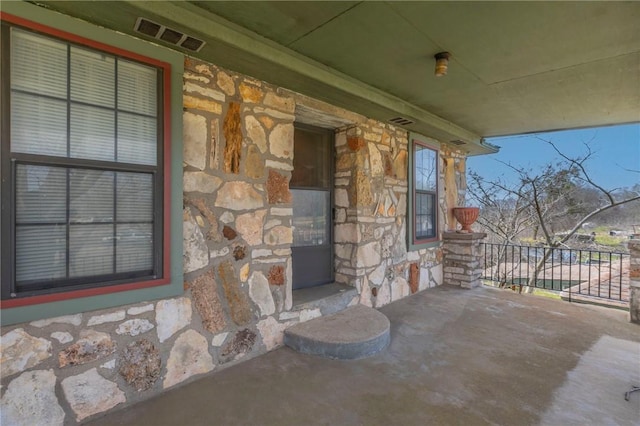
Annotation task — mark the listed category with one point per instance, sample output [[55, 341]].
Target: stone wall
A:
[[237, 226], [463, 258]]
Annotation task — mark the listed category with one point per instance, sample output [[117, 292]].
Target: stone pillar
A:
[[463, 258], [634, 281]]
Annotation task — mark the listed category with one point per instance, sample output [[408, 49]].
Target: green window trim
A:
[[173, 187], [425, 193]]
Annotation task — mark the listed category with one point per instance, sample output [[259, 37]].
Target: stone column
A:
[[634, 281], [463, 258]]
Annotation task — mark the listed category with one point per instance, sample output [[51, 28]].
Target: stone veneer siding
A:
[[237, 218]]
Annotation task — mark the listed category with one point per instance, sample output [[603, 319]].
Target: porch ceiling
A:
[[516, 67]]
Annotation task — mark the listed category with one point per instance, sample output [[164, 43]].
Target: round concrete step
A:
[[356, 332]]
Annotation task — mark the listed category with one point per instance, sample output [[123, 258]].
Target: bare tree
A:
[[544, 200]]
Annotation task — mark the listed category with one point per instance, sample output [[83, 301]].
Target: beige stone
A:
[[244, 273], [225, 82], [195, 250], [250, 226], [134, 327], [400, 165], [62, 336], [190, 87], [346, 233], [281, 141], [253, 164], [282, 103], [250, 93], [196, 77], [89, 393], [272, 332], [66, 319], [341, 197], [384, 295], [194, 129], [31, 399], [200, 182], [108, 317], [399, 289], [279, 235], [368, 255], [191, 102], [238, 196], [267, 121], [189, 356], [21, 351], [256, 133], [172, 315], [261, 294], [375, 159]]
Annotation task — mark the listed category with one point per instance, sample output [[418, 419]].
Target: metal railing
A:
[[578, 275]]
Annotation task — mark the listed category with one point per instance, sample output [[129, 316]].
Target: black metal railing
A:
[[575, 274]]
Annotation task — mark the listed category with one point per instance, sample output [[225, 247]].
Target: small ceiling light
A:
[[442, 62]]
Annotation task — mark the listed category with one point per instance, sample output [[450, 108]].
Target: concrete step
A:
[[356, 332]]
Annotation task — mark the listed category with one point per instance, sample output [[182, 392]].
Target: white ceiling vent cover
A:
[[169, 35]]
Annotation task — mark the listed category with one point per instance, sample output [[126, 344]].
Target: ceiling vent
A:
[[169, 35], [457, 142], [401, 121]]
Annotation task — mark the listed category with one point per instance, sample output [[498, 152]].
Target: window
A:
[[83, 169], [423, 193]]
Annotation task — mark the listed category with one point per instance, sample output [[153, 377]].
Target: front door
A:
[[311, 186]]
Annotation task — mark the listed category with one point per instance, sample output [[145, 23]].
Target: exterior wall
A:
[[237, 216]]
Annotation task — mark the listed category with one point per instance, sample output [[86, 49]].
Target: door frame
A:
[[329, 134]]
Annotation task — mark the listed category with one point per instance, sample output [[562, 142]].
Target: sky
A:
[[615, 149]]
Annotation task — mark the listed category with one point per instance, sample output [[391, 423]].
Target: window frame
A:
[[413, 242], [162, 254]]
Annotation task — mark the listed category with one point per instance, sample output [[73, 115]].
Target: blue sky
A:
[[615, 148]]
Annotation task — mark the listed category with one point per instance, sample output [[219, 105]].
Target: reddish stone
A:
[[239, 252], [276, 275], [232, 129], [414, 277], [140, 364], [278, 188], [229, 233], [388, 164], [374, 291], [204, 295], [239, 307], [356, 142]]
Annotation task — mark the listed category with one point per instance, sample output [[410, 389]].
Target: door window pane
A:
[[310, 217], [311, 166]]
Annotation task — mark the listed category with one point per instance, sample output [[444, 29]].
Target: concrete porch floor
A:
[[456, 357]]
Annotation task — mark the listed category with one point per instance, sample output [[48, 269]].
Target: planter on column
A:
[[463, 253]]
